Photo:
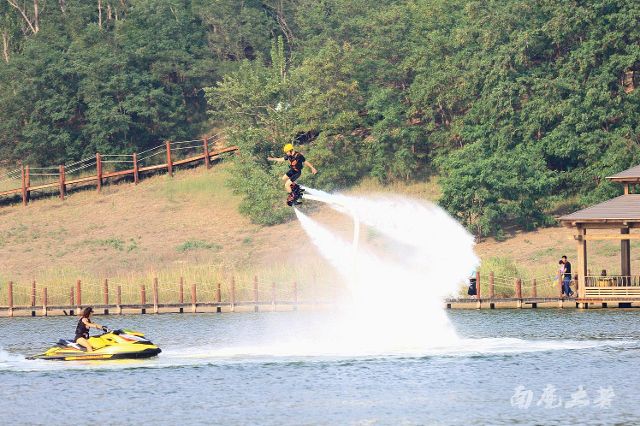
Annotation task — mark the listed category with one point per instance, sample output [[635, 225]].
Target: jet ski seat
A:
[[70, 343]]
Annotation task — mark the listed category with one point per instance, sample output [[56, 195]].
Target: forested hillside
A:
[[520, 107]]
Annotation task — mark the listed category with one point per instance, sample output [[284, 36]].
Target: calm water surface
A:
[[237, 369]]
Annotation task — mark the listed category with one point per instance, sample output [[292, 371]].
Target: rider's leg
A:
[[287, 183], [84, 342]]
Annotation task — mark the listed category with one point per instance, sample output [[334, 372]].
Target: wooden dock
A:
[[162, 308], [543, 303]]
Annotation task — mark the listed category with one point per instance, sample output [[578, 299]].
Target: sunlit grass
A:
[[312, 281]]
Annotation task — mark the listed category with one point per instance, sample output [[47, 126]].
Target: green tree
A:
[[256, 104]]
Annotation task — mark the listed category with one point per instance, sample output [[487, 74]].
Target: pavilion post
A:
[[625, 257], [582, 261]]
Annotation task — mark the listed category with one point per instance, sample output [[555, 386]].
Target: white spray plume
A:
[[397, 296]]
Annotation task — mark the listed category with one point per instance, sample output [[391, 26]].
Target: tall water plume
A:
[[397, 291]]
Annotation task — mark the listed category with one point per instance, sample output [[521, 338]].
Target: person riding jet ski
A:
[[82, 329], [110, 345]]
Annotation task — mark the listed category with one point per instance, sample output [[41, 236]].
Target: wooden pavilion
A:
[[615, 219]]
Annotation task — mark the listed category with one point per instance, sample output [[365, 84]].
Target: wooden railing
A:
[[612, 285], [107, 297], [59, 178], [612, 281]]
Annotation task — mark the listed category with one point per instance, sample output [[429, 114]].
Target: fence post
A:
[[560, 287], [44, 301], [169, 162], [233, 294], [105, 291], [519, 292], [255, 294], [33, 293], [99, 170], [273, 296], [71, 300], [10, 290], [79, 294], [143, 298], [219, 298], [61, 182], [119, 300], [492, 293], [295, 296], [534, 289], [207, 160], [194, 300], [24, 187], [28, 182], [478, 294], [135, 168], [181, 294], [155, 295]]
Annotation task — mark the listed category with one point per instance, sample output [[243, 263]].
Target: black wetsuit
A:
[[296, 163], [81, 331]]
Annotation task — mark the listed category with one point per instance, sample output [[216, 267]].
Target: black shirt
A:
[[296, 161], [82, 330], [567, 269]]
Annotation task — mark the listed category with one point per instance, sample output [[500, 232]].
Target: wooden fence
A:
[[512, 292], [178, 297], [59, 178], [31, 300]]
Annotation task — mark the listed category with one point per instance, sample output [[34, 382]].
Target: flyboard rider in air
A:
[[296, 164]]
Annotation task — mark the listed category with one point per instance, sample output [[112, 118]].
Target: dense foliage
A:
[[521, 107]]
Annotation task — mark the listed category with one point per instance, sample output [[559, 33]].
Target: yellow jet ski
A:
[[114, 344]]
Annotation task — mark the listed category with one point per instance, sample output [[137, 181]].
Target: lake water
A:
[[508, 367]]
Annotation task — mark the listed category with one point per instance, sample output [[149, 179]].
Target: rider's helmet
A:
[[288, 147]]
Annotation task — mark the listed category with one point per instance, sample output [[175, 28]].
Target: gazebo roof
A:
[[625, 208], [630, 175]]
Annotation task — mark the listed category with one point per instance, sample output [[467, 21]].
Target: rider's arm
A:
[[275, 159], [313, 169], [90, 324]]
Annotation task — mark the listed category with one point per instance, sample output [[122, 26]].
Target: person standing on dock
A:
[[566, 281], [473, 290]]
